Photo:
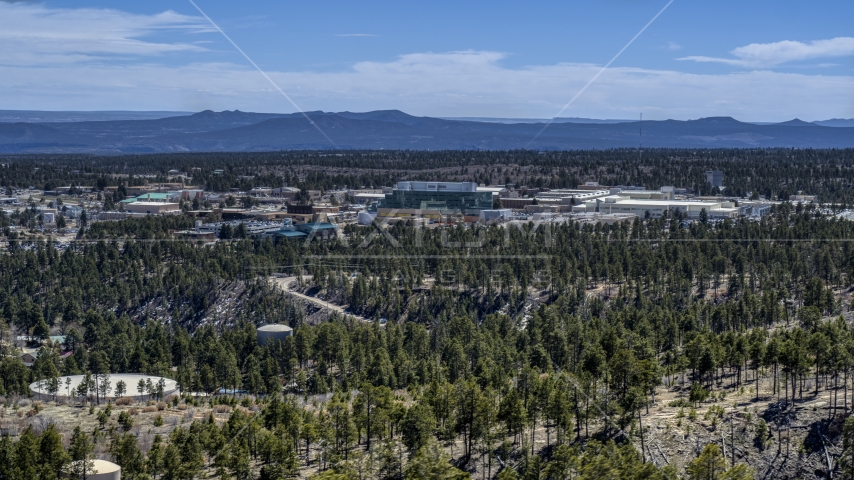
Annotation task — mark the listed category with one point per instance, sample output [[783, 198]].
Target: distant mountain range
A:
[[34, 116], [150, 132]]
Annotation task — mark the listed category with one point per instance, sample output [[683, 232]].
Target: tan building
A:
[[409, 213]]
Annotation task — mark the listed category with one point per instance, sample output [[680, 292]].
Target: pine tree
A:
[[417, 427], [80, 450], [432, 463]]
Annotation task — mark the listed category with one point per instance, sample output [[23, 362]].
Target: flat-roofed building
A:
[[656, 208], [517, 203], [446, 197], [366, 198], [154, 197], [569, 196], [496, 215], [252, 228], [409, 213], [152, 208]]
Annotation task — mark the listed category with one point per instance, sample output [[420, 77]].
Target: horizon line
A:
[[470, 118]]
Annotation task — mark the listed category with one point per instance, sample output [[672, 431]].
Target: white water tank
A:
[[272, 333], [103, 470]]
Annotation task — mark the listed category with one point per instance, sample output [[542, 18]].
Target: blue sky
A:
[[757, 61]]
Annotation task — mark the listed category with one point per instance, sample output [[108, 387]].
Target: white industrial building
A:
[[656, 208], [366, 198], [496, 215]]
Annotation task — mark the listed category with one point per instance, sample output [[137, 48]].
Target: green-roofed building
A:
[[153, 197]]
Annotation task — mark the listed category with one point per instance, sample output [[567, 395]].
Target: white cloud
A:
[[761, 55], [90, 59], [33, 34], [673, 46], [465, 83]]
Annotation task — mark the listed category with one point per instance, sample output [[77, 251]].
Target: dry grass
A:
[[133, 411], [221, 409], [123, 401]]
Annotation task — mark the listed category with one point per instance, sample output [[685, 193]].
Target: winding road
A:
[[286, 283]]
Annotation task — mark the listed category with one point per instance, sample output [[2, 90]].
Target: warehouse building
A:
[[655, 208]]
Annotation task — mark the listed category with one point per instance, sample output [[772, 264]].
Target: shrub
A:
[[762, 434], [125, 421], [123, 401], [149, 409], [158, 421], [161, 406], [680, 402], [134, 411]]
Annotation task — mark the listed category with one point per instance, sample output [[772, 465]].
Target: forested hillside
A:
[[655, 349]]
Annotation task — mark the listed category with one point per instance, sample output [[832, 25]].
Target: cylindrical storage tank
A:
[[103, 470], [67, 386], [272, 333]]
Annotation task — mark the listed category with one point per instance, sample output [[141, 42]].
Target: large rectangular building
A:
[[446, 197], [655, 208]]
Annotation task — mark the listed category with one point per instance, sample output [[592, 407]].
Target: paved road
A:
[[286, 283]]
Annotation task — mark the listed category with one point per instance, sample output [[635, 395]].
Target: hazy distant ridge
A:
[[392, 129]]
